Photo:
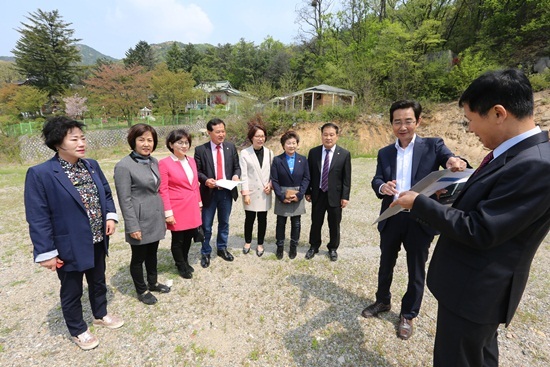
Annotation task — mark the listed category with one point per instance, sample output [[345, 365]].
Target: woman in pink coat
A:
[[179, 190]]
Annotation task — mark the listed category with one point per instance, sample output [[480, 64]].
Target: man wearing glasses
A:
[[399, 167]]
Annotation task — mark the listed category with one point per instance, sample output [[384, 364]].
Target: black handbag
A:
[[199, 235]]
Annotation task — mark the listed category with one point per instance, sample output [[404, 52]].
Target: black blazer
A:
[[205, 167], [489, 236], [428, 155], [281, 176], [339, 175]]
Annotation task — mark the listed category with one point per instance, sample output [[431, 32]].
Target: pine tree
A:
[[142, 56], [46, 52]]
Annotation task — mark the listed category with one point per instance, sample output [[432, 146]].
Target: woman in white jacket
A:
[[255, 162]]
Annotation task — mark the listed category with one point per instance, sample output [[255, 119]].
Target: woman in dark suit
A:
[[71, 214], [290, 179], [137, 180]]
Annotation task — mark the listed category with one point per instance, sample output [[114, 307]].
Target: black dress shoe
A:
[[279, 253], [311, 253], [147, 298], [259, 253], [189, 267], [205, 261], [246, 250], [333, 255], [375, 309], [161, 288], [226, 255], [292, 252]]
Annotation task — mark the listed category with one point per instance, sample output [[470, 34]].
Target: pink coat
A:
[[178, 195]]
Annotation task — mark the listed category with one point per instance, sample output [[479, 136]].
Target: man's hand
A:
[[406, 200], [308, 198], [389, 188], [456, 164], [211, 183], [344, 203]]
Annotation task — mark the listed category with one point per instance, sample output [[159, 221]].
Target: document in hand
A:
[[431, 184], [228, 184]]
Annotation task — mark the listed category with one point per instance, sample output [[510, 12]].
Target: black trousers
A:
[[146, 253], [400, 229], [462, 343], [72, 288], [295, 228], [181, 243], [249, 219], [318, 210]]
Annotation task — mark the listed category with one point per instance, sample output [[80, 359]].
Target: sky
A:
[[113, 26]]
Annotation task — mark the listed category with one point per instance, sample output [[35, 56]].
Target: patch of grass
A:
[[17, 282], [254, 355]]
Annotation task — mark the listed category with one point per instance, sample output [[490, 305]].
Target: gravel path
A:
[[252, 312]]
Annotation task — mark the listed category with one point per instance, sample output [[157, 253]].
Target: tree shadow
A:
[[334, 336]]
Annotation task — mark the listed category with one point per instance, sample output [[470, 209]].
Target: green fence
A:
[[35, 127]]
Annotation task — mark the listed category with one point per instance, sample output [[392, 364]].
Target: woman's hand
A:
[[52, 263], [246, 199], [111, 227], [171, 220], [136, 235]]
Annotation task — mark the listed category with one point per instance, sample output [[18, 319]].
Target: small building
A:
[[313, 97], [145, 113], [221, 93]]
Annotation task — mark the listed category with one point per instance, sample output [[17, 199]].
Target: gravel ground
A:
[[251, 312]]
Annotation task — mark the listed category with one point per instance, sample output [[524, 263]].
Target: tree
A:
[[312, 18], [142, 55], [122, 91], [190, 57], [24, 100], [8, 73], [172, 90], [75, 106], [46, 53], [174, 58]]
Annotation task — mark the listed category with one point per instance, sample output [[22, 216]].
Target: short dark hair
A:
[[290, 134], [406, 103], [253, 129], [138, 130], [176, 135], [215, 121], [509, 88], [56, 128], [330, 124]]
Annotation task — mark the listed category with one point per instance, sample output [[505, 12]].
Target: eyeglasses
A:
[[182, 143], [259, 136], [401, 123]]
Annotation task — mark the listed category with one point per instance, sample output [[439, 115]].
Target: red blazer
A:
[[178, 195]]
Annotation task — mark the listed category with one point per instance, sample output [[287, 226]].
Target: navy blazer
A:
[[57, 218], [281, 176], [339, 175], [429, 154], [205, 167], [490, 235]]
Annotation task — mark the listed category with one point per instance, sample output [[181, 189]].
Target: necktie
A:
[[219, 163], [488, 158], [324, 176]]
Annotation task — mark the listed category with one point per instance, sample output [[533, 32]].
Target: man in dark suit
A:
[[328, 191], [491, 233], [216, 160], [400, 166]]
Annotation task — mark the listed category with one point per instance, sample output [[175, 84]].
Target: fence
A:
[[33, 148]]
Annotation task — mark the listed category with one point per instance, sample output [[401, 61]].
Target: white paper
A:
[[228, 184], [429, 185]]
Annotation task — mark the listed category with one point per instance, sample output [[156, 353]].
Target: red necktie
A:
[[219, 163], [324, 176], [488, 158]]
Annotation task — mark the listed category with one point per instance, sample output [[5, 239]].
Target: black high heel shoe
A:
[[258, 252]]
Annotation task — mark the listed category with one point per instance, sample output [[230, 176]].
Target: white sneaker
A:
[[86, 340], [109, 321]]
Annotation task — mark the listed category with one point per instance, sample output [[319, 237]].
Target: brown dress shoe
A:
[[405, 329], [375, 309]]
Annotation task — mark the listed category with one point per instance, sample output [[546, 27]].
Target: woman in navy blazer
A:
[[290, 179], [71, 215]]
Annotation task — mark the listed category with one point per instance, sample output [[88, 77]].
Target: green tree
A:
[[122, 91], [174, 58], [46, 53], [142, 55], [172, 90], [190, 57], [8, 73], [24, 100]]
